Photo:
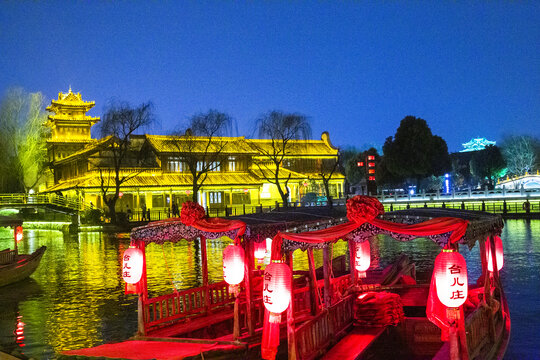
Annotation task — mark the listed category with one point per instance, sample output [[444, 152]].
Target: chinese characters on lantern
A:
[[132, 265], [277, 287], [451, 278]]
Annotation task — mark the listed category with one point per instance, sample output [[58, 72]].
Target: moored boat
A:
[[15, 267], [333, 312]]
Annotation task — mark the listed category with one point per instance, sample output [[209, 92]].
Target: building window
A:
[[214, 166], [175, 164], [215, 197], [200, 165], [232, 163]]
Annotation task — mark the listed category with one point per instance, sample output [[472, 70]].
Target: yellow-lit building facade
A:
[[163, 178]]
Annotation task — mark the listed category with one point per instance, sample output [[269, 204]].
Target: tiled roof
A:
[[175, 144], [295, 147], [88, 149], [148, 179]]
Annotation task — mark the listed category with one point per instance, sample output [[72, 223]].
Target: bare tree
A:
[[328, 169], [22, 140], [281, 128], [121, 160], [520, 153], [201, 144]]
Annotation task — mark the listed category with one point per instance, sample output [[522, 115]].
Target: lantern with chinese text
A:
[[499, 257], [18, 234], [132, 265], [362, 258], [233, 267], [259, 251], [277, 289], [450, 274]]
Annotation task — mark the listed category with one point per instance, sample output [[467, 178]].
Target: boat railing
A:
[[180, 304], [315, 335], [7, 256], [477, 326]]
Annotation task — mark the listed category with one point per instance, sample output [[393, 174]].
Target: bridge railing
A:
[[44, 199], [462, 195]]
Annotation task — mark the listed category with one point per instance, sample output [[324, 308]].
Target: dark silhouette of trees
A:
[[22, 140], [348, 165], [121, 158], [414, 152], [487, 164], [201, 144], [281, 128]]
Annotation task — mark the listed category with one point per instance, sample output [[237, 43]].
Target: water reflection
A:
[[76, 297]]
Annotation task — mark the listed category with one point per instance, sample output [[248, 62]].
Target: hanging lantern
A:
[[499, 256], [277, 289], [18, 234], [259, 251], [451, 278], [362, 258], [233, 264], [132, 265]]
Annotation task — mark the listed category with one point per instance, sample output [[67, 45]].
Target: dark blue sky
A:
[[356, 68]]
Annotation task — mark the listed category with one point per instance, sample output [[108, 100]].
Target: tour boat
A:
[[15, 267], [343, 311]]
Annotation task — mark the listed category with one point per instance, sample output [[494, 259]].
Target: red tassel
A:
[[131, 289], [270, 339]]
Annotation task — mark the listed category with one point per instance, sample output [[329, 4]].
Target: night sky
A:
[[356, 68]]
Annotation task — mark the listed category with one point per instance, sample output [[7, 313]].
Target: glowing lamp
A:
[[362, 258], [259, 251], [499, 257], [277, 289], [233, 264], [18, 233], [451, 278], [120, 194], [132, 265]]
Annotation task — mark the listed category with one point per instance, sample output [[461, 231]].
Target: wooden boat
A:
[[15, 267], [320, 322]]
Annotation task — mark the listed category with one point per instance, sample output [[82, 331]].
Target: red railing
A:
[[167, 308]]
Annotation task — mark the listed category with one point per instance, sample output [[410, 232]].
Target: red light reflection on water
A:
[[19, 332]]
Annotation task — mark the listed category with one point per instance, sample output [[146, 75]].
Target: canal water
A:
[[76, 297]]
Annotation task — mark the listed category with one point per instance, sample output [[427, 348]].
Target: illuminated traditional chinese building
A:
[[162, 178], [477, 144]]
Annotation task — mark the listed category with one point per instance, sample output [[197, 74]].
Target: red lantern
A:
[[498, 254], [362, 259], [259, 251], [451, 278], [18, 234], [233, 264], [277, 289], [132, 265]]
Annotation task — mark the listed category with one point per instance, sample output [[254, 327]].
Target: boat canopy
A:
[[443, 226], [314, 228]]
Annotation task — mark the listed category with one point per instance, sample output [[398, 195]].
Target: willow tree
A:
[[22, 140], [200, 145], [281, 129]]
